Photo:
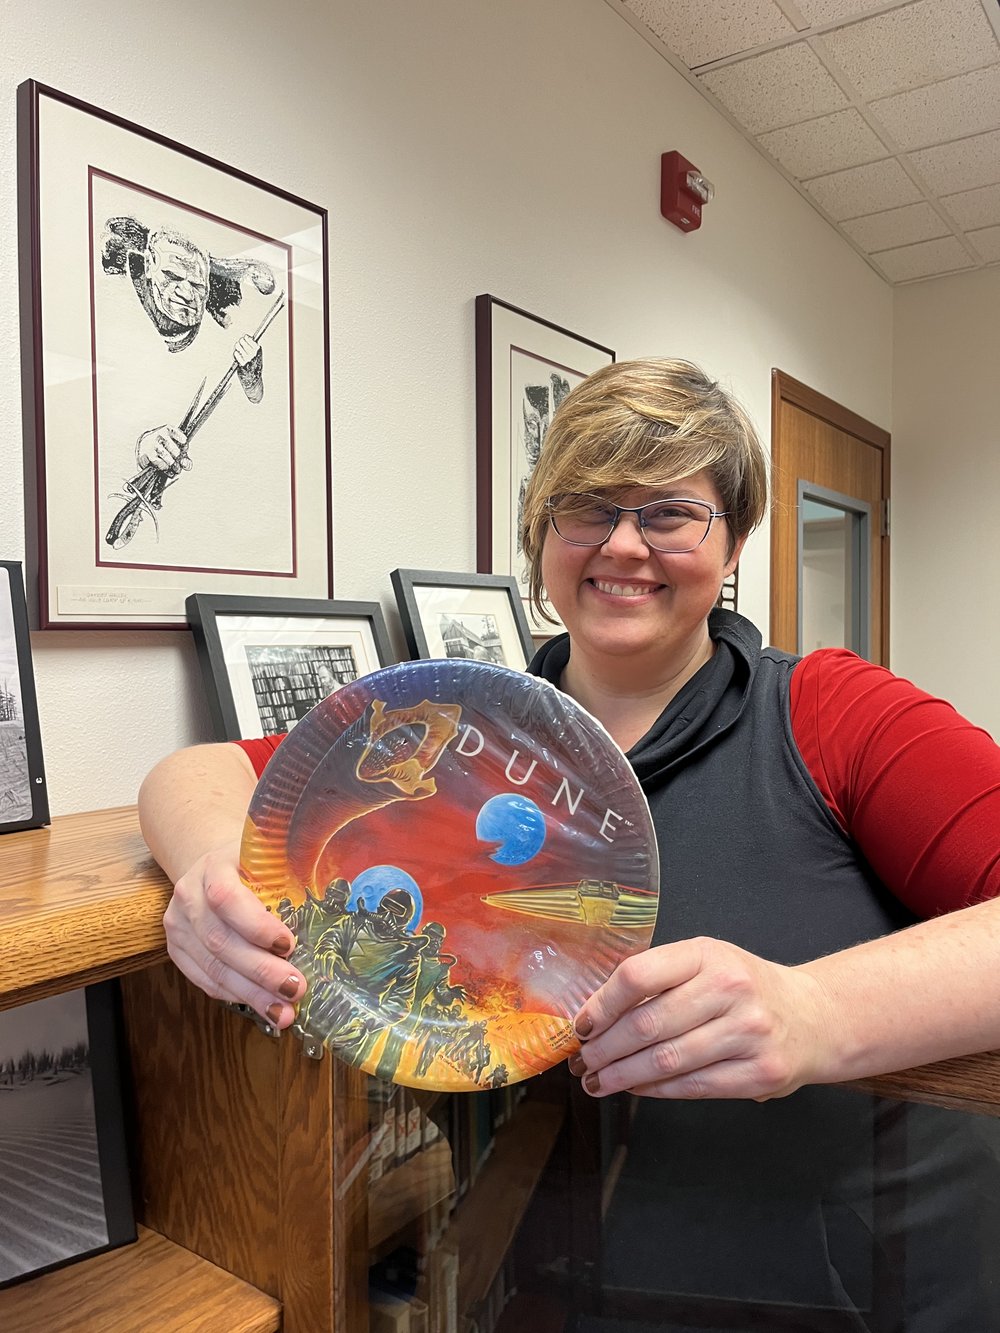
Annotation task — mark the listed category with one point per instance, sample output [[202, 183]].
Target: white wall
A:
[[945, 607], [461, 146]]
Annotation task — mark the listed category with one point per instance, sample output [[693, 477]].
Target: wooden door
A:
[[826, 460]]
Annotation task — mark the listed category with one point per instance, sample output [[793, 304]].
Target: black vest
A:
[[827, 1199]]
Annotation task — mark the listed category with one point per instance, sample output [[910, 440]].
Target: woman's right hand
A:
[[224, 939]]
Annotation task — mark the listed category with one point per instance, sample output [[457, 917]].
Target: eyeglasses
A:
[[674, 525]]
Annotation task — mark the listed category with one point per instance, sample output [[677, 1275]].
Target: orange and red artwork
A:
[[464, 855]]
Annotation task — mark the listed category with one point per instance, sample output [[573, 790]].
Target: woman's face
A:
[[624, 598]]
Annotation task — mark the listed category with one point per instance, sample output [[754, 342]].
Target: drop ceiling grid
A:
[[886, 116]]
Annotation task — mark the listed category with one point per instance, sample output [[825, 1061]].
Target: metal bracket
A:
[[268, 1029], [312, 1047]]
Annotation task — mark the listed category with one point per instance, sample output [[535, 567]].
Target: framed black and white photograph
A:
[[63, 1156], [729, 593], [267, 661], [174, 321], [525, 367], [475, 616], [24, 801]]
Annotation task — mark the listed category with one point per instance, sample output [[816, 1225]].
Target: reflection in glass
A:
[[827, 576], [833, 574]]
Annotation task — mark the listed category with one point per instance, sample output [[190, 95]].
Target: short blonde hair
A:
[[645, 423]]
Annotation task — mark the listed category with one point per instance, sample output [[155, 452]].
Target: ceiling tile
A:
[[777, 88], [987, 243], [861, 190], [963, 165], [895, 227], [828, 143], [887, 118], [975, 208], [916, 45], [923, 260], [953, 109], [829, 11], [699, 32]]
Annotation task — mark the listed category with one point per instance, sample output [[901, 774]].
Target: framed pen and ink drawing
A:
[[478, 617], [525, 367], [24, 801], [63, 1154], [267, 661], [174, 315]]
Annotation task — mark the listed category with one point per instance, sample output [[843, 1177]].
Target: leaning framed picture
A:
[[477, 616], [267, 661], [63, 1154], [525, 367], [174, 319], [24, 801]]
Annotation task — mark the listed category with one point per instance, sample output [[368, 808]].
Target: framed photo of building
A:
[[24, 801], [268, 660], [62, 1141], [174, 321], [477, 616], [525, 367]]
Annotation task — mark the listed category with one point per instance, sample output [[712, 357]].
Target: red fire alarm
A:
[[683, 191]]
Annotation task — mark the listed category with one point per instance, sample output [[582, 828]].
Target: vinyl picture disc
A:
[[464, 855]]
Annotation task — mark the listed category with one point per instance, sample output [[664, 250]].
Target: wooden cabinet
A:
[[81, 902], [252, 1161]]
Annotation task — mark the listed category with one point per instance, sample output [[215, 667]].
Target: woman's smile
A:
[[632, 590]]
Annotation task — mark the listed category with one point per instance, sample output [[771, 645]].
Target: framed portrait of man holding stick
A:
[[174, 318]]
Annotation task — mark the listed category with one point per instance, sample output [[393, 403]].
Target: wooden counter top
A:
[[80, 901]]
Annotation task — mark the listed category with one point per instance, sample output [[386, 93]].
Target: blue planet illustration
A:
[[370, 887], [516, 823]]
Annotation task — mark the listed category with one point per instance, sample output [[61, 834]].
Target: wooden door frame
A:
[[785, 389]]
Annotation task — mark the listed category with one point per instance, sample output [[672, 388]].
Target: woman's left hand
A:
[[702, 1018]]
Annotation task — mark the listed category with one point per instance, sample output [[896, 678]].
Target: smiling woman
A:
[[755, 762], [828, 854], [637, 511], [637, 613]]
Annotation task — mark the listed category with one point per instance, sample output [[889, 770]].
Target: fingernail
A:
[[576, 1065], [583, 1027], [273, 1012], [289, 988], [281, 948], [592, 1082]]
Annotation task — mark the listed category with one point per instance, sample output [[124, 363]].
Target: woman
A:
[[806, 812]]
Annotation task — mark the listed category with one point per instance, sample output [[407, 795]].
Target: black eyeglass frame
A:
[[638, 511]]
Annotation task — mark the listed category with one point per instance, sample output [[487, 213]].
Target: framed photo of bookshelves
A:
[[267, 661]]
